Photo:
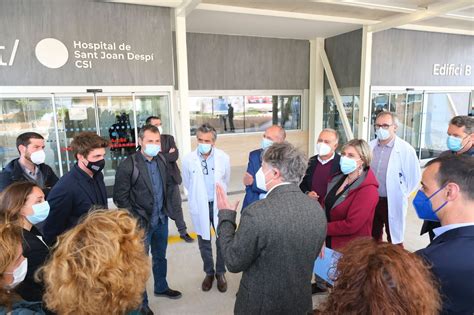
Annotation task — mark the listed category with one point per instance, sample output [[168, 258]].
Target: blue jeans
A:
[[156, 238]]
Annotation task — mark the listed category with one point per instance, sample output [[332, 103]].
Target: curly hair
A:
[[12, 200], [10, 240], [381, 278], [98, 267]]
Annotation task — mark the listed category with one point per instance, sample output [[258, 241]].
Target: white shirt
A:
[[446, 228], [326, 161], [280, 184]]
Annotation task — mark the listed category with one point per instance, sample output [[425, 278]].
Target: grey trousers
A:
[[205, 248], [176, 209]]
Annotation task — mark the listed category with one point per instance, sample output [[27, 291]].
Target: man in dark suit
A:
[[277, 241], [273, 134], [171, 153], [460, 142], [141, 186], [81, 189], [447, 194], [30, 165]]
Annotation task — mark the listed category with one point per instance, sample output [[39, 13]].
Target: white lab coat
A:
[[403, 177], [193, 180]]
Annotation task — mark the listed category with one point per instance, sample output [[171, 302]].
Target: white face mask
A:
[[323, 148], [160, 129], [38, 157], [260, 178], [19, 274]]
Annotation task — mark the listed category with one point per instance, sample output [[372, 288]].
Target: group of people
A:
[[61, 246]]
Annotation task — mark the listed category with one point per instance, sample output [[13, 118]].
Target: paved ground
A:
[[185, 271]]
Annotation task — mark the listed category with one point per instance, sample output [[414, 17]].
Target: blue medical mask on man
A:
[[266, 143], [152, 149], [382, 134], [204, 148], [424, 207], [40, 213], [454, 143], [347, 165]]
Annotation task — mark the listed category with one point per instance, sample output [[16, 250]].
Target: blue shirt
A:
[[158, 191], [446, 228], [207, 166]]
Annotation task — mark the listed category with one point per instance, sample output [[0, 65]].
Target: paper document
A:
[[326, 267]]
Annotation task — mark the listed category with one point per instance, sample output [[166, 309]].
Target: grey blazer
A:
[[275, 245]]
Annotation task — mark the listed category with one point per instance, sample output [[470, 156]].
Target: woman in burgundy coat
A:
[[352, 196]]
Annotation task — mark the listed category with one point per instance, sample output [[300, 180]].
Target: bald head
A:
[[275, 133]]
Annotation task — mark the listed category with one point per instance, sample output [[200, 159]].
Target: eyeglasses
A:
[[384, 126], [205, 171]]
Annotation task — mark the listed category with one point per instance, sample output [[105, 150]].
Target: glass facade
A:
[[423, 116], [114, 117], [242, 113]]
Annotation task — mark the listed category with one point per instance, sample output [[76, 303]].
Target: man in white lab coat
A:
[[398, 172], [201, 170]]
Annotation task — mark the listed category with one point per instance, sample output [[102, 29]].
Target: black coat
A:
[[307, 181], [36, 252], [71, 198], [138, 197], [451, 256], [167, 142], [13, 172]]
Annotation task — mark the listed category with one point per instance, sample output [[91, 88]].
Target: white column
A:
[[316, 94], [181, 111], [365, 74]]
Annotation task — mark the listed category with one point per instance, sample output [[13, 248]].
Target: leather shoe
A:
[[316, 289], [221, 283], [207, 283], [145, 310], [169, 293], [187, 238]]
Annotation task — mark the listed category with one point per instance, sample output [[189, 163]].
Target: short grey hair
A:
[[391, 114], [332, 131], [206, 128], [289, 160], [463, 121], [141, 133]]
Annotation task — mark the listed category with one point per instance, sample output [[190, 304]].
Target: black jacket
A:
[[167, 142], [138, 197], [13, 172], [71, 198], [36, 252], [307, 181]]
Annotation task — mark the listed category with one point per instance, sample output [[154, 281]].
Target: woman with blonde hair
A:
[[381, 278], [352, 196], [23, 204], [13, 266], [97, 267]]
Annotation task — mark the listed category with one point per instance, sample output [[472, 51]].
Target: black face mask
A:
[[96, 166]]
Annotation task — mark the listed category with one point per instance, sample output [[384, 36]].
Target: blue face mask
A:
[[266, 143], [424, 208], [348, 165], [454, 143], [152, 149], [382, 134], [204, 148], [40, 213]]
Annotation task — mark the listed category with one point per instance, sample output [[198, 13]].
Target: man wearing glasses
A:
[[202, 169], [397, 169]]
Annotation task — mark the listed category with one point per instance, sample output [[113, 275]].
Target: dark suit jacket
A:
[[70, 199], [452, 255], [275, 246], [138, 197], [167, 142], [252, 192], [307, 181], [36, 252], [13, 172]]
